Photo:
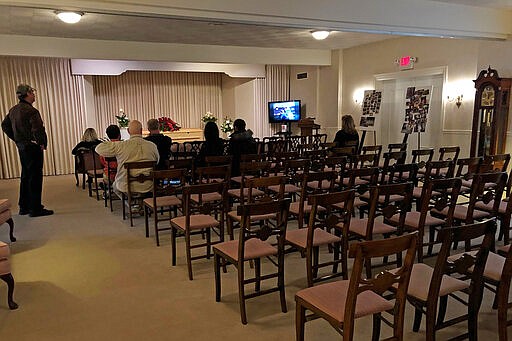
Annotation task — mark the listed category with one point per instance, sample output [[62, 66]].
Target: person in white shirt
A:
[[135, 149]]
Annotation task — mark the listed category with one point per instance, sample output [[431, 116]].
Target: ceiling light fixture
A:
[[320, 35], [70, 17]]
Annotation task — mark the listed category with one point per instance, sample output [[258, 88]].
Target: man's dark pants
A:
[[31, 157]]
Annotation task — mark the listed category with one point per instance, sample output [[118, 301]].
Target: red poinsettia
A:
[[167, 124]]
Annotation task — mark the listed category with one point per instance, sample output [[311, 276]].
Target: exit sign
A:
[[405, 62]]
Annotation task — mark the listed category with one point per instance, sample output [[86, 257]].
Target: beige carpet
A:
[[85, 274]]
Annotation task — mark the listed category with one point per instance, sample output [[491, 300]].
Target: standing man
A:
[[163, 143], [23, 125]]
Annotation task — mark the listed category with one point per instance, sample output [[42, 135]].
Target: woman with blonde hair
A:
[[89, 140], [347, 136]]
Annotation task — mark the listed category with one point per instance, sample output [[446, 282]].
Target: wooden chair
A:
[[361, 180], [438, 193], [218, 160], [248, 170], [397, 147], [6, 217], [255, 190], [421, 157], [136, 172], [199, 218], [253, 244], [108, 181], [495, 163], [192, 148], [365, 160], [449, 153], [428, 285], [93, 169], [390, 159], [434, 170], [294, 171], [341, 302], [6, 275], [466, 168], [326, 227], [367, 228], [167, 187], [312, 183], [377, 149], [186, 163], [79, 169]]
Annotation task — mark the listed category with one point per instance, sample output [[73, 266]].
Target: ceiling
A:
[[499, 4], [43, 22]]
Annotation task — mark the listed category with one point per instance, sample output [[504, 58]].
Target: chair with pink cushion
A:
[[5, 273], [6, 217]]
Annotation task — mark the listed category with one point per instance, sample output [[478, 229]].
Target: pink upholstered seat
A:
[[5, 264], [234, 215], [254, 248], [358, 226], [197, 221], [237, 192], [488, 207], [288, 188], [320, 237], [331, 297], [412, 219], [5, 205], [461, 212], [207, 197], [163, 201]]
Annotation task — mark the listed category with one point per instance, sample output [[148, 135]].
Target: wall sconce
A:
[[458, 100]]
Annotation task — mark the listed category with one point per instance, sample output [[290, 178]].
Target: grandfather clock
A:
[[490, 116]]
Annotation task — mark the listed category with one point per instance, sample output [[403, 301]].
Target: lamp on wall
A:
[[458, 100]]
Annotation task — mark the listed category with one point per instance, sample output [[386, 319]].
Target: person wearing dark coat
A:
[[213, 145], [163, 143], [241, 142]]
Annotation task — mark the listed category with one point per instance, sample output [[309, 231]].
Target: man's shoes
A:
[[23, 212], [41, 213]]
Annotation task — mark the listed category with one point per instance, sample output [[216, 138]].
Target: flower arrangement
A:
[[122, 119], [208, 117], [166, 124], [227, 125]]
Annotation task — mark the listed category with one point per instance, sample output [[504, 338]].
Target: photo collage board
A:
[[417, 103], [371, 107]]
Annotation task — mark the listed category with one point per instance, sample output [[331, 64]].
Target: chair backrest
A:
[[460, 266], [366, 160], [467, 167], [177, 150], [383, 281], [218, 160], [422, 156], [91, 160], [348, 151], [336, 214], [211, 207], [186, 163], [318, 139], [334, 163], [377, 149], [403, 173], [138, 172], [388, 207], [449, 153], [192, 148], [294, 142], [390, 159], [264, 231], [397, 147], [370, 175], [254, 168], [439, 194], [252, 157], [439, 169], [263, 184], [210, 174], [486, 187], [495, 163], [167, 183]]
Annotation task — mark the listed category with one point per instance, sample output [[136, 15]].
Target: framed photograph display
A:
[[417, 103], [371, 107]]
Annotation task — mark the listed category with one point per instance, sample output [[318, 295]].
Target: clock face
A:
[[487, 99]]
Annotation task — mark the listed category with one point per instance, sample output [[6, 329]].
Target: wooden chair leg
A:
[[10, 222], [257, 274], [376, 327], [443, 302], [189, 255], [173, 246], [418, 314], [216, 264], [7, 278], [502, 323], [300, 321], [157, 236], [241, 295]]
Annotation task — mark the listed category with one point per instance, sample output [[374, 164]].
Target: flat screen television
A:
[[284, 111]]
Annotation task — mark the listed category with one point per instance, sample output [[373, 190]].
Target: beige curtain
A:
[[58, 99], [274, 87], [183, 96]]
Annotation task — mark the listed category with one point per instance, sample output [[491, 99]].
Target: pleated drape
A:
[[274, 87], [183, 96], [59, 100]]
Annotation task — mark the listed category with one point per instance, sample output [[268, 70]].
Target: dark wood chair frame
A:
[[278, 231], [129, 196], [357, 285]]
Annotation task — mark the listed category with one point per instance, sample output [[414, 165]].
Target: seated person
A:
[[163, 143], [132, 150], [89, 141], [114, 135], [347, 136], [240, 142], [213, 145]]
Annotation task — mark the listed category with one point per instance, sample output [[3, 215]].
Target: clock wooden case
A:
[[490, 115]]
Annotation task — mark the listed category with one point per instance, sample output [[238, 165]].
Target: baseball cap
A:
[[23, 89]]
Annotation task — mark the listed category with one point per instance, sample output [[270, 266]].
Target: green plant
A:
[[122, 119]]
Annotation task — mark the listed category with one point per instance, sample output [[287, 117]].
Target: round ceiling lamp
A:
[[320, 35], [70, 17]]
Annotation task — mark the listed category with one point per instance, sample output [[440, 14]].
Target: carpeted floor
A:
[[85, 274]]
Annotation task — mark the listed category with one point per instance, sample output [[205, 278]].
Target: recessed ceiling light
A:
[[320, 35], [70, 17]]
